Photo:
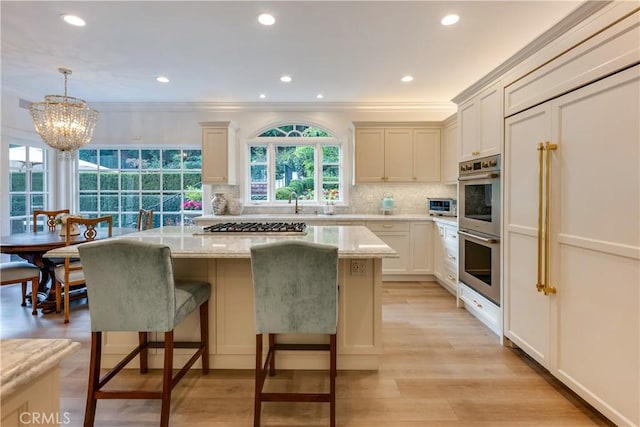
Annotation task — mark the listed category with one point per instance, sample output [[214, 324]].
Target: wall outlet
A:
[[358, 267]]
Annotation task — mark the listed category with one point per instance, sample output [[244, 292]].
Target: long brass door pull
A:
[[544, 209]]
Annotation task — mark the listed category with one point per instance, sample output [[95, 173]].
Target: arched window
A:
[[295, 160]]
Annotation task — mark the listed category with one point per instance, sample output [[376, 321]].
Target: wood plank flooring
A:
[[440, 367]]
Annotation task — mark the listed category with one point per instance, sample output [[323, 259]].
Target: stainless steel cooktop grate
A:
[[257, 227]]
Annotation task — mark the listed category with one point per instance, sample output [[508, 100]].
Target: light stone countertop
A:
[[24, 360], [448, 220], [352, 242], [210, 219]]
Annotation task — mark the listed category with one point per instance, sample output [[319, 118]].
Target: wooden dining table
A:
[[32, 246]]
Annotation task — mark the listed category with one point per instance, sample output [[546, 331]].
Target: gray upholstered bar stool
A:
[[131, 287], [22, 272], [295, 286]]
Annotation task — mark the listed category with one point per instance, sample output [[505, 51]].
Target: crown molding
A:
[[583, 11], [383, 107]]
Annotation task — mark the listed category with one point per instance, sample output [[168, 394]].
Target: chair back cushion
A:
[[295, 286], [130, 285]]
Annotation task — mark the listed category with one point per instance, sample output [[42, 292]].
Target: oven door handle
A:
[[482, 239], [479, 176]]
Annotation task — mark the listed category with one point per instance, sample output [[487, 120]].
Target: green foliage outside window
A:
[[18, 181], [295, 164], [119, 182]]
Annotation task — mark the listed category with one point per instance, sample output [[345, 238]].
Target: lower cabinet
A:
[[483, 309], [412, 241], [445, 254]]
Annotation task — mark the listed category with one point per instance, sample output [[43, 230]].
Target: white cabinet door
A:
[[398, 155], [421, 244], [449, 166], [588, 333], [369, 155], [490, 105], [469, 122], [526, 311], [480, 121], [218, 153], [426, 155], [438, 251], [399, 242], [595, 251]]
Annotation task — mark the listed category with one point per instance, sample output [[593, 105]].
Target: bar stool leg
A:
[[167, 376], [257, 405], [94, 378]]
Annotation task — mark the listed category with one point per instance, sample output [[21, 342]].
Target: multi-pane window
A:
[[27, 185], [120, 182], [295, 160]]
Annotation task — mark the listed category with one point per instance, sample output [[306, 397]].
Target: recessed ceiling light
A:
[[285, 79], [450, 19], [73, 20], [319, 96], [266, 19], [263, 96], [162, 79], [407, 79]]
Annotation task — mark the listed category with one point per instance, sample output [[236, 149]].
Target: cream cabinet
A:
[[426, 155], [397, 235], [413, 241], [421, 240], [449, 158], [397, 154], [586, 328], [445, 252], [480, 124], [219, 153]]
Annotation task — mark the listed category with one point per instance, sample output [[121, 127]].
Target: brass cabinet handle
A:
[[450, 277], [387, 226], [477, 304], [548, 289], [544, 211], [539, 284]]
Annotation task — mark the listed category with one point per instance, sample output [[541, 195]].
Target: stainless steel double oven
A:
[[479, 222]]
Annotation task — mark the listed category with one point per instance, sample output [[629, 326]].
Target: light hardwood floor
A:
[[440, 367]]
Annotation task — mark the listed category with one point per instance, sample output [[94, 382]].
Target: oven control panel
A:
[[486, 164]]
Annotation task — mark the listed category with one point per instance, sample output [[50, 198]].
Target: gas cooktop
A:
[[274, 228]]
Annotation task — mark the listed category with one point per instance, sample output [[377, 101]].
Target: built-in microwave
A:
[[442, 207]]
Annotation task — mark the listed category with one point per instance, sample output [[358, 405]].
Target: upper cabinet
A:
[[397, 154], [449, 158], [218, 153], [480, 124]]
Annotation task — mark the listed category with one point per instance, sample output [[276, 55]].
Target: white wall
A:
[[156, 125]]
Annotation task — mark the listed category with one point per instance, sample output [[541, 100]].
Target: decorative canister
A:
[[234, 206], [387, 203], [218, 204]]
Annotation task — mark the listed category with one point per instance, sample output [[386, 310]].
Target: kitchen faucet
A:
[[297, 208]]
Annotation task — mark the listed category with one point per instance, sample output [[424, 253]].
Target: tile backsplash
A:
[[363, 198]]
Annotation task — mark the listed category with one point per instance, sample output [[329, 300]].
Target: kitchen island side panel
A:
[[231, 320]]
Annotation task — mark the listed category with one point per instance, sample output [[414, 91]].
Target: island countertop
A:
[[188, 242], [23, 360]]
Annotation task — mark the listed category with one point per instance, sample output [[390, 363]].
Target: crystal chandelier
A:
[[64, 122]]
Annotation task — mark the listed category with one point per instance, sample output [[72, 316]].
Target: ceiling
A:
[[216, 51]]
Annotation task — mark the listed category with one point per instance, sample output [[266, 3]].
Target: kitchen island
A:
[[224, 261]]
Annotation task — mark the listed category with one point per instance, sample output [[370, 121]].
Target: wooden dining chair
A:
[[70, 273], [51, 218], [22, 272], [145, 219]]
